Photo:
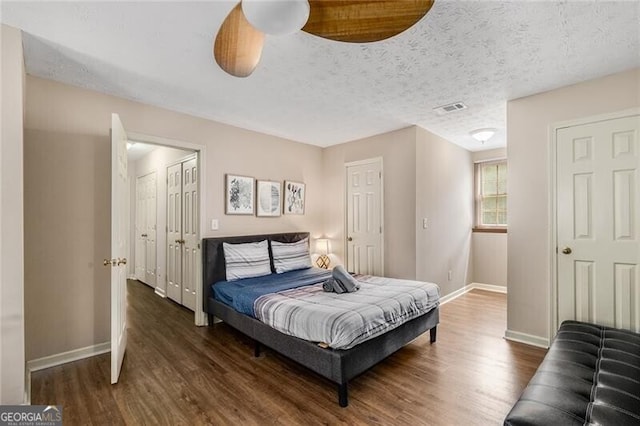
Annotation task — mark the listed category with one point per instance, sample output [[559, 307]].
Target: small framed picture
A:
[[293, 197], [268, 201], [240, 194]]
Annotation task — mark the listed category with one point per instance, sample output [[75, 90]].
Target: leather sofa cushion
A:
[[591, 375]]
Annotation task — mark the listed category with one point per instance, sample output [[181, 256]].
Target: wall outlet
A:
[[425, 223], [449, 275], [214, 224]]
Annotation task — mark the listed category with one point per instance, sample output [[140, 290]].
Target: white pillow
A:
[[290, 256], [246, 260]]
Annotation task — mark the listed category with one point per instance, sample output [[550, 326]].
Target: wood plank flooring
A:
[[176, 373]]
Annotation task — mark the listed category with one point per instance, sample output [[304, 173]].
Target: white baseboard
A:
[[451, 296], [65, 357], [489, 287], [467, 288], [528, 339], [160, 292]]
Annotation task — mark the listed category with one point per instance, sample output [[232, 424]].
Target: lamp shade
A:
[[483, 135], [322, 246], [276, 17]]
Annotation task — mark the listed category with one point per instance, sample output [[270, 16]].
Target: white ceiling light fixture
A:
[[276, 17], [483, 135]]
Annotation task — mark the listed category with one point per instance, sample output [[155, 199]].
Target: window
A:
[[491, 195]]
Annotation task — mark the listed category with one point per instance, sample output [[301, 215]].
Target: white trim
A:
[[472, 286], [160, 292], [489, 287], [200, 318], [527, 339], [553, 208], [372, 160], [70, 356], [451, 296]]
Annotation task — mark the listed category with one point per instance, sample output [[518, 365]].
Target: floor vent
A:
[[449, 108]]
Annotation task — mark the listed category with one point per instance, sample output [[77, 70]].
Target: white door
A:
[[364, 217], [598, 215], [140, 227], [190, 243], [151, 209], [119, 213], [146, 221], [174, 233]]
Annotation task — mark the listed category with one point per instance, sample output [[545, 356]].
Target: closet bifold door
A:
[[174, 233], [190, 220]]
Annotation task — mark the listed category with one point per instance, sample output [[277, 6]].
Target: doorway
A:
[[597, 215], [162, 153], [364, 217]]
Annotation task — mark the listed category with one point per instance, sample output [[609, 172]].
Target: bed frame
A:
[[337, 365]]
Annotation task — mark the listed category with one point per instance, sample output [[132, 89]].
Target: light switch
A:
[[425, 223], [214, 224]]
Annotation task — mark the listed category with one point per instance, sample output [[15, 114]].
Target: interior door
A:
[[151, 219], [140, 227], [598, 215], [364, 217], [119, 213], [190, 243], [174, 233]]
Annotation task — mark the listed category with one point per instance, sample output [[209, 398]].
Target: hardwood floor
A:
[[176, 373]]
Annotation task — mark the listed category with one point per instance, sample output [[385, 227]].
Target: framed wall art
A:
[[239, 194], [269, 198], [293, 197]]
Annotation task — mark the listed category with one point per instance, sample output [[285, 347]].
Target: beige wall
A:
[[12, 355], [489, 258], [67, 170], [528, 131], [156, 161], [489, 250], [444, 196], [397, 150]]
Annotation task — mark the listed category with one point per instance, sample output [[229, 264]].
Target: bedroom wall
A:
[[528, 131], [156, 161], [397, 150], [12, 353], [489, 250], [67, 226], [444, 196]]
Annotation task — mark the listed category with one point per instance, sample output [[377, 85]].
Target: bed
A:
[[337, 365]]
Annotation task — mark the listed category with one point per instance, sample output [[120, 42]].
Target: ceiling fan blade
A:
[[238, 46], [363, 21]]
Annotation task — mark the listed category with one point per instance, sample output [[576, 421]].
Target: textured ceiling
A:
[[322, 92]]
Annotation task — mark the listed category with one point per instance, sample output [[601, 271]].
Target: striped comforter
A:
[[344, 320]]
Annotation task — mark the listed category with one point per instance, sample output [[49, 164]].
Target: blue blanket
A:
[[241, 294]]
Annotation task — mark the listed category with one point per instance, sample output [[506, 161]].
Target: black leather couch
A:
[[591, 375]]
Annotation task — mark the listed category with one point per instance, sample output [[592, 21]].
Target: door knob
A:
[[349, 239], [566, 250], [144, 235], [122, 261], [109, 262]]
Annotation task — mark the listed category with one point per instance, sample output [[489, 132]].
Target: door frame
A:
[[553, 208], [346, 206], [200, 318]]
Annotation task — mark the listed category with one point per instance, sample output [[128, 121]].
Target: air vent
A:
[[449, 108]]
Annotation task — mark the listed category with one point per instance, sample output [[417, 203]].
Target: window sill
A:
[[491, 230]]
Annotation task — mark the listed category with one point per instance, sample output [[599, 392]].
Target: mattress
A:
[[295, 304]]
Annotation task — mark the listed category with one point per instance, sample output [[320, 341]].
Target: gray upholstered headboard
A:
[[213, 266]]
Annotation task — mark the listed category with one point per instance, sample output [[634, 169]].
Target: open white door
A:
[[118, 245]]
